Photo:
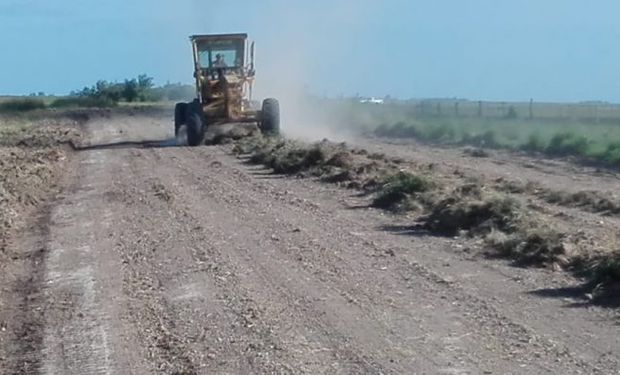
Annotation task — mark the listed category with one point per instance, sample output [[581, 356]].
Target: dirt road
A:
[[188, 261]]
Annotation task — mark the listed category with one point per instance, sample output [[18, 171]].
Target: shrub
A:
[[512, 113], [489, 139], [564, 144], [442, 132], [400, 129], [486, 139], [612, 154], [137, 89], [383, 130], [130, 90], [22, 105], [534, 143]]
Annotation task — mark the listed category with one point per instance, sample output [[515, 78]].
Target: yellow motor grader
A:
[[224, 73]]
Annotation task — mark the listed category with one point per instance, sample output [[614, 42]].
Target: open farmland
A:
[[590, 132]]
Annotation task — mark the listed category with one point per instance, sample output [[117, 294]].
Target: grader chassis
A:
[[224, 72]]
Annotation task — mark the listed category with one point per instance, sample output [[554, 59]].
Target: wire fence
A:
[[591, 112]]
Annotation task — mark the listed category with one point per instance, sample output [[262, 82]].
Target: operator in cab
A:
[[219, 61]]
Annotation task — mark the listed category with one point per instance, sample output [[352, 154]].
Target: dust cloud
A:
[[300, 50], [303, 51]]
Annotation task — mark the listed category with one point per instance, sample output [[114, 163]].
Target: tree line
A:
[[140, 89]]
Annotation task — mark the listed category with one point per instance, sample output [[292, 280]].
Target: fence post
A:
[[531, 109], [596, 114], [480, 108], [456, 109]]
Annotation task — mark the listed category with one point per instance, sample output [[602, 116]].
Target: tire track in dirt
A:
[[330, 302], [224, 193], [178, 313], [69, 316], [82, 331], [22, 337], [229, 260]]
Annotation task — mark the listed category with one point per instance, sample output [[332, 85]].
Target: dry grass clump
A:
[[509, 230], [533, 246], [587, 200], [603, 275], [332, 162], [259, 149], [607, 269], [296, 158], [376, 156], [476, 152], [476, 214], [397, 191], [226, 134], [593, 201]]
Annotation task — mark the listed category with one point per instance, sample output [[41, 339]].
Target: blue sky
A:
[[549, 50]]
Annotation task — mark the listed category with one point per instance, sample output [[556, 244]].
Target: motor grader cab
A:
[[224, 74]]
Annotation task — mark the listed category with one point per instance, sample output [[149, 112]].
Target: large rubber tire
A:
[[195, 129], [180, 116], [270, 121]]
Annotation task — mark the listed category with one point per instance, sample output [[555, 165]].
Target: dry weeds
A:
[[507, 227]]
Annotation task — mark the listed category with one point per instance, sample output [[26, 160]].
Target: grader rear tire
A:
[[180, 116], [195, 129], [270, 121]]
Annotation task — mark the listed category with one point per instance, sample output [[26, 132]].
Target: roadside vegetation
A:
[[21, 105], [30, 159], [103, 94], [598, 142], [506, 226], [560, 131], [134, 90]]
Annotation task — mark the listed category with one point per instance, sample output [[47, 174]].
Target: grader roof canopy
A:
[[218, 36], [229, 47]]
